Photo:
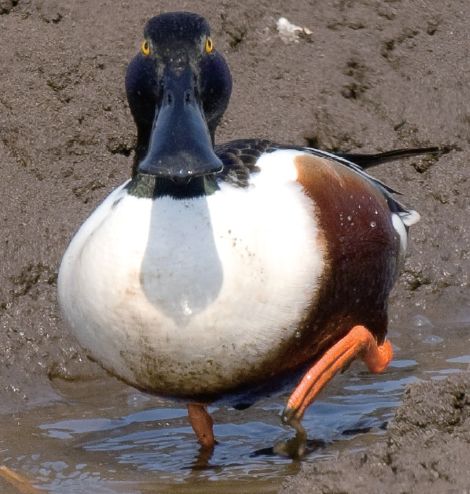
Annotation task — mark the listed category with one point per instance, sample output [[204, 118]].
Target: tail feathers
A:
[[409, 217], [370, 160]]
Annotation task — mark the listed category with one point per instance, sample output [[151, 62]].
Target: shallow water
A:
[[104, 437]]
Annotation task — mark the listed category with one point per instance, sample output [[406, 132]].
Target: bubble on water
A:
[[187, 311], [432, 339], [137, 399], [373, 224], [420, 321]]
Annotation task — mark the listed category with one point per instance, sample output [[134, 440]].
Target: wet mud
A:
[[370, 76], [424, 450]]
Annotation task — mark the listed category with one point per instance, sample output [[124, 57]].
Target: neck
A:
[[149, 186]]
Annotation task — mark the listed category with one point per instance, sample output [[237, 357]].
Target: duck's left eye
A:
[[145, 48], [209, 47]]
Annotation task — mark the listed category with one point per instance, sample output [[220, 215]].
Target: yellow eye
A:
[[209, 45], [145, 48]]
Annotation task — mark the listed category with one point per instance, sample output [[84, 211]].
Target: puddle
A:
[[108, 438]]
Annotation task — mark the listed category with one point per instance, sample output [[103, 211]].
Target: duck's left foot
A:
[[202, 425], [359, 342]]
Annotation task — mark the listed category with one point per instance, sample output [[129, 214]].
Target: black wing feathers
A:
[[370, 160]]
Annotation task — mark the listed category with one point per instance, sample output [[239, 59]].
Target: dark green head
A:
[[178, 88]]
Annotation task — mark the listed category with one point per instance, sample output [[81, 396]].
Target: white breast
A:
[[185, 295]]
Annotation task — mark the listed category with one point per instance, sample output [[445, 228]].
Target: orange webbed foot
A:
[[359, 342]]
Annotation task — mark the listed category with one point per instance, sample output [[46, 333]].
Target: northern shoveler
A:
[[220, 272]]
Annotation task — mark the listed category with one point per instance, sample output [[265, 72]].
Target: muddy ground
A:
[[373, 75], [425, 450]]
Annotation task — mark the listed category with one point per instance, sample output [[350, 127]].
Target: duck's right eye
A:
[[209, 46], [145, 48]]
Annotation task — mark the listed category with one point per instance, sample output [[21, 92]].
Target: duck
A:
[[219, 273]]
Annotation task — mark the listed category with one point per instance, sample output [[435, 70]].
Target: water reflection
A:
[[107, 438]]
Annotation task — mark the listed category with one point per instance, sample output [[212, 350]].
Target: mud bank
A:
[[425, 449]]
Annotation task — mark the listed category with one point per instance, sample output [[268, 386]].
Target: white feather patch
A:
[[216, 282]]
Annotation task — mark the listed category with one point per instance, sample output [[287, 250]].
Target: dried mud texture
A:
[[434, 416], [374, 75]]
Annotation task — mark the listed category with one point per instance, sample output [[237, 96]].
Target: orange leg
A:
[[202, 424], [359, 342]]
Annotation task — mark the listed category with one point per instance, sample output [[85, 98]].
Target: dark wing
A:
[[239, 159], [370, 160]]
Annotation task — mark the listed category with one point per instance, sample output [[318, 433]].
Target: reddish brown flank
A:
[[362, 251]]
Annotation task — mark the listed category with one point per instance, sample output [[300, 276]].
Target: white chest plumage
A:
[[185, 296]]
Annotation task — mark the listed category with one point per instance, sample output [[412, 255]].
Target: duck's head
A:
[[178, 87]]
